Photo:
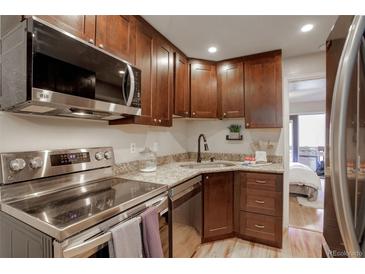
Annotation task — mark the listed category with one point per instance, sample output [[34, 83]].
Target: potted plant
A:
[[234, 131]]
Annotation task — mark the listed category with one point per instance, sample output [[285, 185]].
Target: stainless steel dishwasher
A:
[[185, 204]]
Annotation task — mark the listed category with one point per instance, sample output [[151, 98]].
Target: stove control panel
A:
[[24, 166]]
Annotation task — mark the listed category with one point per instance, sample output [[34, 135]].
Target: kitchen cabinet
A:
[[263, 92], [258, 213], [82, 26], [116, 34], [230, 79], [181, 86], [218, 205], [162, 97], [203, 89]]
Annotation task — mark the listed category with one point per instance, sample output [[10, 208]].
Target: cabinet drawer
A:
[[261, 228], [260, 201], [262, 181]]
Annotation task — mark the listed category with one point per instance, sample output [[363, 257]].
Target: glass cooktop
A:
[[70, 206]]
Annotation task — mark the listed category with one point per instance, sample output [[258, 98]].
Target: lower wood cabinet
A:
[[260, 208], [218, 205]]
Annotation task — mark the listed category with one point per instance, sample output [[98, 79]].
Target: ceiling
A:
[[307, 91], [242, 35]]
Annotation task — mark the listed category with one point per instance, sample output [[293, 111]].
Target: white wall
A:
[[297, 68], [216, 131], [22, 133]]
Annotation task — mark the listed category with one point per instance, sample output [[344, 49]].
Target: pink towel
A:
[[151, 233]]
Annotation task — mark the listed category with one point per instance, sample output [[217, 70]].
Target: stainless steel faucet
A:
[[206, 148]]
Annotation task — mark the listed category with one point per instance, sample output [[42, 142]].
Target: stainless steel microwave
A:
[[47, 71]]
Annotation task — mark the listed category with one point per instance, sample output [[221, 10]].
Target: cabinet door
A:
[[162, 96], [116, 34], [145, 61], [218, 205], [263, 93], [82, 26], [203, 89], [182, 93], [230, 89]]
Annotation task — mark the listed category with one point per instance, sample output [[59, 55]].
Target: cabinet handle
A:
[[91, 41], [260, 182], [259, 202], [101, 46], [260, 226]]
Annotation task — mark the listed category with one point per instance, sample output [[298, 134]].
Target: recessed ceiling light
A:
[[307, 27], [212, 49]]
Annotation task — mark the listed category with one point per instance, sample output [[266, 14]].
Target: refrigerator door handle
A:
[[337, 138]]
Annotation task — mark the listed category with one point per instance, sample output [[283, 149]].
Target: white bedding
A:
[[300, 174]]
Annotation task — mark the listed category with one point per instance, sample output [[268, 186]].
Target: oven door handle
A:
[[81, 248], [130, 75]]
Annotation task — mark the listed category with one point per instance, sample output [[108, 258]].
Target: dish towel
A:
[[126, 240], [151, 233]]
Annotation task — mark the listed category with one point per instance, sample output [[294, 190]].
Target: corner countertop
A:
[[173, 174]]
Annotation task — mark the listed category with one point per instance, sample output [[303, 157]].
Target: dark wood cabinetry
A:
[[218, 205], [82, 26], [230, 79], [203, 89], [181, 86], [116, 34], [263, 92], [260, 208], [163, 93]]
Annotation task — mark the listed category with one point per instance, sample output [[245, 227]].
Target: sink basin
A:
[[207, 165]]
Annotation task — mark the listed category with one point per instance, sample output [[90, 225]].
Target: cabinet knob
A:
[[155, 120], [159, 120], [207, 177], [193, 113], [247, 124], [91, 41], [186, 112], [224, 114], [101, 46]]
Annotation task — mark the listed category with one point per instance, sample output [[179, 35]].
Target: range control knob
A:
[[17, 164], [108, 155], [99, 156], [36, 162]]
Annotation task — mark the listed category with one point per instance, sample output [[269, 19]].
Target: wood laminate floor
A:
[[297, 243], [305, 217]]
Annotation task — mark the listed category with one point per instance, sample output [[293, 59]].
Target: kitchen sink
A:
[[207, 165]]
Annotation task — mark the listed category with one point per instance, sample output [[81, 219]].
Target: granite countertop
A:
[[173, 174]]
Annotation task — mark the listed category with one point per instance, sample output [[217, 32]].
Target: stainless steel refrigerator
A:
[[344, 210]]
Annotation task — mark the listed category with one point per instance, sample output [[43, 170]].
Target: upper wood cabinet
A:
[[203, 89], [116, 34], [163, 93], [263, 92], [230, 89], [82, 26], [181, 86], [218, 205]]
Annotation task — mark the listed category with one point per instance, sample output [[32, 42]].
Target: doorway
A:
[[306, 153]]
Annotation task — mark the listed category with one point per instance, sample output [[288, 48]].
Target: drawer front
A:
[[261, 228], [262, 181], [263, 202]]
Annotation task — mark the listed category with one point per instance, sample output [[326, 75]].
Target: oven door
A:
[[186, 218], [93, 243]]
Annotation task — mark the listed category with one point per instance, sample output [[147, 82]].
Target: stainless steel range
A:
[[62, 203]]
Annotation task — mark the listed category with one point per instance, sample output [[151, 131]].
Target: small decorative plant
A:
[[234, 131]]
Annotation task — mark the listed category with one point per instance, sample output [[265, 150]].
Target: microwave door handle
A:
[[79, 249], [131, 86], [337, 148]]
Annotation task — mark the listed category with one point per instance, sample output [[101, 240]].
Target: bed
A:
[[303, 181]]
